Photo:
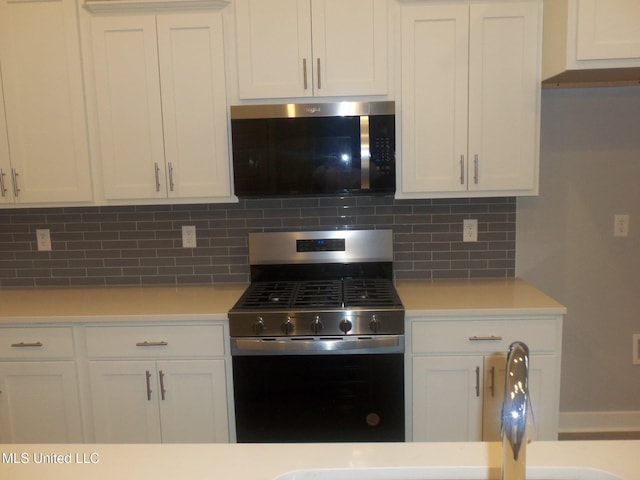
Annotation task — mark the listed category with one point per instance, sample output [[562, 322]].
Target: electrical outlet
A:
[[189, 236], [636, 349], [43, 237], [470, 230], [621, 225]]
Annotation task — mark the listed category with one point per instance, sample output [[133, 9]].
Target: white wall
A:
[[589, 171]]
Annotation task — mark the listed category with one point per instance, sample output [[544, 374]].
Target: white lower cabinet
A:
[[39, 397], [39, 403], [174, 401], [153, 384], [457, 372]]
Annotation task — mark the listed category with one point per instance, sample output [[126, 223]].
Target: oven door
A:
[[334, 394]]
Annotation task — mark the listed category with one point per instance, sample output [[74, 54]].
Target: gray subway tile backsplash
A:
[[141, 245]]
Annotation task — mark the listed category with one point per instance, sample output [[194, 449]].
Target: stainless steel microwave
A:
[[337, 148]]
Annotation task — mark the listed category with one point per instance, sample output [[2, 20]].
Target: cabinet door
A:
[[434, 89], [543, 394], [125, 402], [349, 47], [125, 56], [447, 402], [44, 102], [193, 401], [39, 403], [274, 48], [493, 396], [194, 106], [544, 385], [504, 96], [608, 29]]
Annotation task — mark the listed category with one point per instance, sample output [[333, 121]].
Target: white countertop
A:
[[206, 302], [268, 461], [424, 298], [211, 302]]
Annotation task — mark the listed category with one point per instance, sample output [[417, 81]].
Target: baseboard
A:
[[625, 421]]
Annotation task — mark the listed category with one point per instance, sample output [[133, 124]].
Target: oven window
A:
[[319, 398]]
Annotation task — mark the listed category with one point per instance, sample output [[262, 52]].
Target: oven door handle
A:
[[317, 346]]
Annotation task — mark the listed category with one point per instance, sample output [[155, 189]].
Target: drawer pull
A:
[[489, 338], [161, 343], [26, 345]]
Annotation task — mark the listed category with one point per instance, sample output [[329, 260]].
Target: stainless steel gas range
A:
[[317, 339]]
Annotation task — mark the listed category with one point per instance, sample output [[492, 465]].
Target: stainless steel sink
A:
[[445, 473]]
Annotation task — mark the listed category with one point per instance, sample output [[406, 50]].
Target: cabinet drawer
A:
[[35, 343], [155, 341], [484, 336]]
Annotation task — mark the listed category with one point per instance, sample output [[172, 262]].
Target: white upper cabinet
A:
[[591, 41], [161, 106], [435, 91], [303, 48], [470, 107], [44, 156]]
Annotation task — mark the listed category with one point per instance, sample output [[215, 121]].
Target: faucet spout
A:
[[515, 413]]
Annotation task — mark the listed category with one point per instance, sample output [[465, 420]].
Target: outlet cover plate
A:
[[43, 237], [189, 236], [621, 225], [470, 230]]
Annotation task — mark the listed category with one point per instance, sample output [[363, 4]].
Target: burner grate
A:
[[308, 294], [320, 293], [369, 293], [268, 295]]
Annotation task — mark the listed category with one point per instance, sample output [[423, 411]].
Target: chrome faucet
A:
[[516, 414]]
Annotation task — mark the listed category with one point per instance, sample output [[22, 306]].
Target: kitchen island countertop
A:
[[269, 461]]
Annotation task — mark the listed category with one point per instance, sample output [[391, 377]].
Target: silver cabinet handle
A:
[[157, 172], [161, 343], [477, 381], [149, 391], [162, 389], [304, 73], [461, 169], [488, 338], [319, 81], [3, 189], [492, 387], [16, 188], [475, 168], [170, 176], [27, 344]]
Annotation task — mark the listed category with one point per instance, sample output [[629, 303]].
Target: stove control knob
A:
[[287, 327], [345, 325], [259, 326], [375, 324], [316, 325]]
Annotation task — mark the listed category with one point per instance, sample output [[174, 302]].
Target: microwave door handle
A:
[[365, 153]]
